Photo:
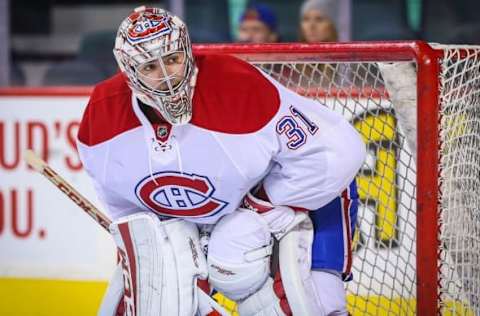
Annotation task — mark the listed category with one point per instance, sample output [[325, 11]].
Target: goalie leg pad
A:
[[270, 300], [114, 294], [293, 292], [295, 258], [331, 292], [239, 254], [161, 262]]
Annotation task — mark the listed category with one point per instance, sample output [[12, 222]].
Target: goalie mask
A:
[[153, 49]]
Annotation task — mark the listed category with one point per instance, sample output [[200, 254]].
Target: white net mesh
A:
[[385, 259], [460, 180], [384, 262]]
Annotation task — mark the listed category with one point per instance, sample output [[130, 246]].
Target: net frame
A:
[[427, 60]]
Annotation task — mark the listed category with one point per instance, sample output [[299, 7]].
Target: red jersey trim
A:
[[108, 113], [232, 96]]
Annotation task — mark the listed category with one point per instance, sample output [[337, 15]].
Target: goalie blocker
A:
[[161, 262]]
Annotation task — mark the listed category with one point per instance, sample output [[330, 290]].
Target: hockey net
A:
[[417, 241]]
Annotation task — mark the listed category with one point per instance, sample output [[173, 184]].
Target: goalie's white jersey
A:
[[245, 128]]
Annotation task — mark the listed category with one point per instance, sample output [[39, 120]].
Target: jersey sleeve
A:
[[95, 160], [318, 153]]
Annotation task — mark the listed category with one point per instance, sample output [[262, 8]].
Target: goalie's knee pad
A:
[[293, 291], [161, 262], [239, 254]]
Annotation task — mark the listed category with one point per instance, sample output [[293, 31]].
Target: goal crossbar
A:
[[293, 59]]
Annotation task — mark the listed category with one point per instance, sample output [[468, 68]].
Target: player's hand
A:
[[280, 219]]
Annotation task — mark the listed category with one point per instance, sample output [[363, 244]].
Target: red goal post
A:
[[418, 202]]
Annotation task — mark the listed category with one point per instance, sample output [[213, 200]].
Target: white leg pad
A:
[[331, 292], [263, 303], [295, 258], [161, 262], [296, 281], [113, 295]]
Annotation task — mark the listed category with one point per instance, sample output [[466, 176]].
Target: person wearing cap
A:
[[318, 24], [318, 21], [258, 24]]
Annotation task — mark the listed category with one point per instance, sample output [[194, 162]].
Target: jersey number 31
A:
[[290, 125]]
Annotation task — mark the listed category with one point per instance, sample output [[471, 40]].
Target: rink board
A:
[[31, 297]]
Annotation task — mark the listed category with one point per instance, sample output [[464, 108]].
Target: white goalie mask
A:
[[153, 49]]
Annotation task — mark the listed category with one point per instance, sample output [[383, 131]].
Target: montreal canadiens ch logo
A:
[[145, 29], [179, 195]]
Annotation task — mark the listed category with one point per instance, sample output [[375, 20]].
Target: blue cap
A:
[[262, 13]]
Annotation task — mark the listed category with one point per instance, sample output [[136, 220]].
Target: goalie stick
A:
[[38, 164], [42, 167]]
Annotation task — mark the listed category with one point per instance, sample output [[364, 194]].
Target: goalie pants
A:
[[334, 226]]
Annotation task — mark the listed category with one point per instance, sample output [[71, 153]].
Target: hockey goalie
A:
[[217, 178]]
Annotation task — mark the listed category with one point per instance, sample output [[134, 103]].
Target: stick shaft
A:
[[42, 167]]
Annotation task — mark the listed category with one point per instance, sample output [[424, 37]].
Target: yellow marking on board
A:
[[42, 297], [380, 187]]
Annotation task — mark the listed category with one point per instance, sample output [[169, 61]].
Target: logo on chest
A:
[[179, 195]]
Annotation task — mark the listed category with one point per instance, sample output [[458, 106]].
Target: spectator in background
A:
[[318, 24], [318, 21], [258, 24]]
